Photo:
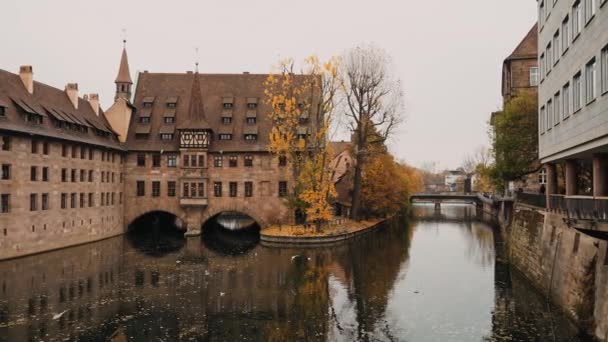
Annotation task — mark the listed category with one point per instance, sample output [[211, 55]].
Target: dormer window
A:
[[251, 121], [147, 104], [2, 112], [225, 136], [166, 136], [251, 137], [148, 101], [144, 120], [169, 119], [227, 102], [171, 105], [226, 120], [227, 105], [252, 105]]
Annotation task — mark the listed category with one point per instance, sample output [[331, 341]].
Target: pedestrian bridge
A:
[[437, 199]]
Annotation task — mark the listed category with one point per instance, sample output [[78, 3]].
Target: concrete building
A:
[[61, 180], [573, 95]]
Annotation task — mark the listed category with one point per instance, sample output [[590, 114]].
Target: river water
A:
[[438, 276]]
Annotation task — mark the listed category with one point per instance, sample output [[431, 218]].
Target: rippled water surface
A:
[[439, 277]]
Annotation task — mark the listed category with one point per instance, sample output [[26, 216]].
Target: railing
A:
[[581, 207], [535, 200]]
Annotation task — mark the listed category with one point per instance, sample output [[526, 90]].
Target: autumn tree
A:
[[373, 107], [515, 140], [301, 107]]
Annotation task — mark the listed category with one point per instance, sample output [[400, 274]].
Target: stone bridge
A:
[[477, 199]]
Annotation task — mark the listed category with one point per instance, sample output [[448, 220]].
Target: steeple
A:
[[123, 79], [196, 114]]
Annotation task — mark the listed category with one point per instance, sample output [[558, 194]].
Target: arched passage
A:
[[230, 233], [156, 233]]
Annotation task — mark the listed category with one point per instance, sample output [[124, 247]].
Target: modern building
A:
[[573, 96], [62, 167]]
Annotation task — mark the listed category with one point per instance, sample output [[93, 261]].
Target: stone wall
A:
[[564, 262], [24, 230]]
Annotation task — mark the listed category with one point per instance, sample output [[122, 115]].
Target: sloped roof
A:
[[205, 102], [124, 75], [52, 103], [528, 47], [338, 147]]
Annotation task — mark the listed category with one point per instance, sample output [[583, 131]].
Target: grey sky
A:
[[448, 53]]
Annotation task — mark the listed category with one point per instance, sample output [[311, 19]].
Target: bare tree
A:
[[374, 106], [482, 156]]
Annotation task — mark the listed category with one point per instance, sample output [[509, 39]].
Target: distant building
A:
[[573, 96], [342, 171], [454, 178]]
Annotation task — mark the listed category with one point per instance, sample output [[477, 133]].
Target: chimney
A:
[[26, 73], [71, 89], [94, 102]]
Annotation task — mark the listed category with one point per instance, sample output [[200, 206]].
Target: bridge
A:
[[437, 199]]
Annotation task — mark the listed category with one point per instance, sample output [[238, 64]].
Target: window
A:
[[227, 105], [590, 9], [251, 121], [248, 189], [549, 114], [549, 57], [45, 201], [91, 153], [226, 120], [248, 161], [201, 160], [155, 188], [83, 152], [218, 161], [233, 189], [251, 137], [590, 80], [193, 189], [232, 161], [282, 161], [45, 174], [141, 159], [33, 202], [252, 105], [556, 51], [91, 199], [566, 100], [171, 104], [557, 114], [186, 160], [64, 200], [225, 136], [34, 146], [201, 190], [73, 175], [45, 147], [577, 19], [172, 161], [565, 34], [90, 175], [144, 120], [577, 93], [186, 190], [171, 188], [193, 160], [141, 188], [534, 77], [147, 104], [82, 200], [542, 176], [604, 66], [2, 111], [83, 175], [74, 151], [73, 200], [542, 66], [6, 172], [541, 12], [166, 136], [543, 120], [6, 143], [169, 119], [282, 189], [156, 160], [33, 173], [217, 189], [5, 203]]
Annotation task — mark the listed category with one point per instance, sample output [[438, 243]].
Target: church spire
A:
[[123, 79], [196, 114]]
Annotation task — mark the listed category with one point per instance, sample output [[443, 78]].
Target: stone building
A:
[[62, 167], [342, 166], [520, 75]]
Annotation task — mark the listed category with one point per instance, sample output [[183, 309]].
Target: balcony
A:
[[580, 207], [193, 202]]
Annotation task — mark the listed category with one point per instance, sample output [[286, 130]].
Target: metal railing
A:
[[535, 200], [580, 207]]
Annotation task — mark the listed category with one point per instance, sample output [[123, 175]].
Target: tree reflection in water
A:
[[435, 278]]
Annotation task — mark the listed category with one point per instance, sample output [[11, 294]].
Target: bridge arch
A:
[[160, 214], [213, 212]]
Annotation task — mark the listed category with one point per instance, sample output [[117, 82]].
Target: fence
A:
[[581, 207], [535, 200]]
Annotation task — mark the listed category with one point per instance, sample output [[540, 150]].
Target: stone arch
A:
[[140, 213], [212, 212]]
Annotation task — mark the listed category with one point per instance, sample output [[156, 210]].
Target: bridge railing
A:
[[532, 199]]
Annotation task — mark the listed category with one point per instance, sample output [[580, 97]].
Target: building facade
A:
[[61, 182], [573, 95]]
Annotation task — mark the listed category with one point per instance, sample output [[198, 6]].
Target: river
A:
[[437, 276]]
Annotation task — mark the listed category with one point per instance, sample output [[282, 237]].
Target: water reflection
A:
[[437, 278]]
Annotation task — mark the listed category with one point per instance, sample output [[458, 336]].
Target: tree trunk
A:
[[356, 200]]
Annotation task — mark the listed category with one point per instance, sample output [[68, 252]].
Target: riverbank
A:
[[339, 230]]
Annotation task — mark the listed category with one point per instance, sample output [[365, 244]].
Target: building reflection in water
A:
[[223, 288]]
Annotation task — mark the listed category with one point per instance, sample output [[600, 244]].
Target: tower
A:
[[123, 80]]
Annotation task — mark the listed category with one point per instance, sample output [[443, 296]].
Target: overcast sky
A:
[[447, 53]]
